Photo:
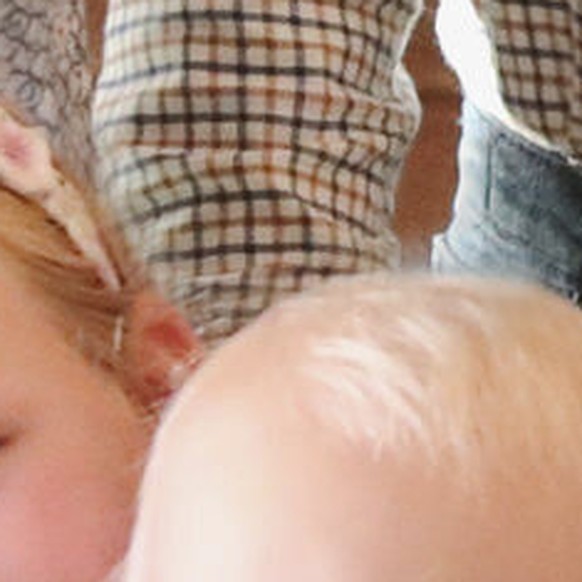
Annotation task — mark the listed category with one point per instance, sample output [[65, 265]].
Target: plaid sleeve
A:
[[538, 55], [254, 145]]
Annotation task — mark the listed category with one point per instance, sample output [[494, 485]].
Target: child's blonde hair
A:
[[91, 314]]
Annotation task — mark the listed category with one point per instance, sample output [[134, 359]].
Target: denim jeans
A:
[[518, 210]]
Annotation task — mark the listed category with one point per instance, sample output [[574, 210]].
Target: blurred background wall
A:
[[428, 181]]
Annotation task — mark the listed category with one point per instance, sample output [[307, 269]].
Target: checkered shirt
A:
[[254, 145], [538, 49]]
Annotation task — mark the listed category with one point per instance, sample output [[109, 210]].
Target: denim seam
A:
[[545, 158], [549, 159], [569, 286], [546, 262]]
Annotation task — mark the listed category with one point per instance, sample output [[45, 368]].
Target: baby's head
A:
[[408, 429], [83, 355]]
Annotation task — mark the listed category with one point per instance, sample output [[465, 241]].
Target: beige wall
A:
[[427, 185], [95, 10]]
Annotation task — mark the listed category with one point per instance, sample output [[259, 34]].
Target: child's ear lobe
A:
[[158, 342]]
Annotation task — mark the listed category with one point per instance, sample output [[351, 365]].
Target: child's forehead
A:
[[26, 344], [32, 345], [405, 522], [20, 301]]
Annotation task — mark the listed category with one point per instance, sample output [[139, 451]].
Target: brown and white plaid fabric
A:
[[254, 145], [538, 46]]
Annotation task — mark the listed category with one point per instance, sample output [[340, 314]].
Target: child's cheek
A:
[[57, 523]]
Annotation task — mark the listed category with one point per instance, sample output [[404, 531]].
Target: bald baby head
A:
[[376, 429]]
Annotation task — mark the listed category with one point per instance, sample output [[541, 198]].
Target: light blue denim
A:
[[517, 213]]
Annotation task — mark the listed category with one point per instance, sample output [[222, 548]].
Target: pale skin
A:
[[72, 446], [245, 485], [70, 455], [73, 435], [254, 488]]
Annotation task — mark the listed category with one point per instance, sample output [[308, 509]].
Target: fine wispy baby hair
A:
[[483, 373], [378, 428]]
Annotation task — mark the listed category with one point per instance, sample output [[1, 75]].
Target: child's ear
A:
[[160, 348]]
